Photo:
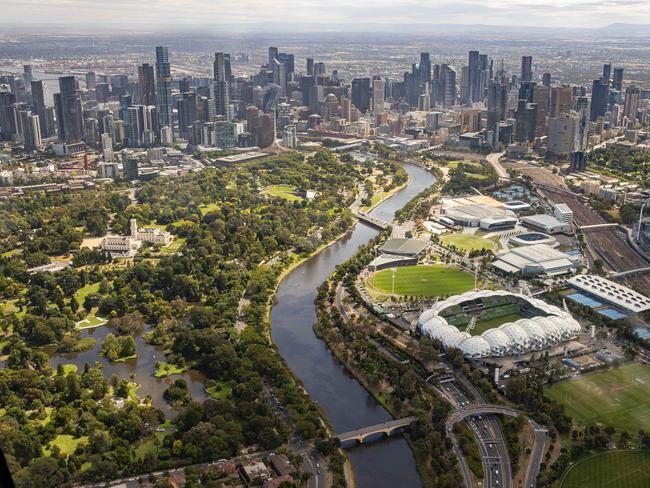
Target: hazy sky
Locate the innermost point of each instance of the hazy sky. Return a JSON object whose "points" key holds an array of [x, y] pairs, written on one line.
{"points": [[329, 13]]}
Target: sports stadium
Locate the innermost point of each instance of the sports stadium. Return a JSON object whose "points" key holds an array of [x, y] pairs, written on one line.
{"points": [[486, 323]]}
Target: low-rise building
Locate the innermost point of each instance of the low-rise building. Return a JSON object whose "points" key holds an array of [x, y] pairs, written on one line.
{"points": [[534, 260], [546, 223], [563, 213]]}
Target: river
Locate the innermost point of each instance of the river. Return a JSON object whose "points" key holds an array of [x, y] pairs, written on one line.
{"points": [[346, 403]]}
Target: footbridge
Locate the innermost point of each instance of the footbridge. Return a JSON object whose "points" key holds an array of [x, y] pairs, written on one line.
{"points": [[598, 226], [628, 272], [373, 221], [387, 428]]}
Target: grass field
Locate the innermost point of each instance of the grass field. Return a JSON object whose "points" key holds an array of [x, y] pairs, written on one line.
{"points": [[467, 243], [283, 191], [619, 397], [613, 469], [423, 281], [454, 164], [66, 443], [483, 325]]}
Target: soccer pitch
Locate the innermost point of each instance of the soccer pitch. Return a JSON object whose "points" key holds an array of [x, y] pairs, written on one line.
{"points": [[620, 469], [435, 280], [619, 397]]}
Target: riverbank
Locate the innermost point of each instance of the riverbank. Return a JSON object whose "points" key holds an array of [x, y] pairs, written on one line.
{"points": [[345, 402]]}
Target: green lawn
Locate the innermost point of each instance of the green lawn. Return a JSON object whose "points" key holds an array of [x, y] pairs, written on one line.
{"points": [[91, 320], [219, 393], [165, 369], [619, 397], [454, 164], [466, 242], [424, 281], [67, 369], [82, 293], [612, 469], [283, 191], [66, 443], [483, 325], [206, 209]]}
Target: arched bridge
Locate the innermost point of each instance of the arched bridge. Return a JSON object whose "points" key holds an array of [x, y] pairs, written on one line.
{"points": [[462, 413], [387, 428]]}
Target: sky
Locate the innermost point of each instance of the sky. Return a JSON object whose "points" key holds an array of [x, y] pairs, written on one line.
{"points": [[330, 14]]}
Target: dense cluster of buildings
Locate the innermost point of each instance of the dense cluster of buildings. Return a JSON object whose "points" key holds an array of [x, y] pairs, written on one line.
{"points": [[478, 104]]}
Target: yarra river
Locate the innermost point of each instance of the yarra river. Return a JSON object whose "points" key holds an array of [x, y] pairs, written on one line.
{"points": [[346, 403]]}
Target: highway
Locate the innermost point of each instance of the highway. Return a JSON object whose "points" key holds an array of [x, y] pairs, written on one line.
{"points": [[536, 457], [489, 440]]}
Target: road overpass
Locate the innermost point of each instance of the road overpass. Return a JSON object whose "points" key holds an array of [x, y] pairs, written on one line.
{"points": [[537, 451], [386, 428]]}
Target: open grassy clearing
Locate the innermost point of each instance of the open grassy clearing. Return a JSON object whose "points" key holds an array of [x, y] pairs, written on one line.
{"points": [[66, 443], [91, 320], [467, 243], [206, 209], [283, 191], [612, 469], [455, 164], [619, 397], [423, 281]]}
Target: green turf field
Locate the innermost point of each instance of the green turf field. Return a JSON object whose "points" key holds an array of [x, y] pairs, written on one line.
{"points": [[613, 469], [483, 325], [466, 242], [423, 281], [619, 397]]}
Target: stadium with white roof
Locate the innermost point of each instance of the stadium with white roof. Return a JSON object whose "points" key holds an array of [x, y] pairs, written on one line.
{"points": [[550, 327]]}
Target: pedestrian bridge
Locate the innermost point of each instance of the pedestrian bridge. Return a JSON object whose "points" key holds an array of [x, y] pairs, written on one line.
{"points": [[373, 221], [629, 272], [387, 428], [598, 226]]}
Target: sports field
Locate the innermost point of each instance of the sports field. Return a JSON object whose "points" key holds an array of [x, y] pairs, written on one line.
{"points": [[483, 325], [613, 469], [619, 397], [423, 281], [467, 243]]}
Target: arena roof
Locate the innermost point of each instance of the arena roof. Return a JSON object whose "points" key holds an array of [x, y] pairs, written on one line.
{"points": [[403, 247], [511, 338], [536, 258], [618, 295]]}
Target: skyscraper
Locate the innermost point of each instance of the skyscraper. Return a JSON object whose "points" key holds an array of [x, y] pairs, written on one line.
{"points": [[31, 130], [473, 78], [361, 94], [310, 66], [497, 104], [69, 111], [164, 81], [425, 68], [38, 106], [617, 83], [220, 86], [8, 116], [526, 68], [607, 73], [561, 100], [599, 99], [448, 86], [378, 89], [631, 106], [147, 84]]}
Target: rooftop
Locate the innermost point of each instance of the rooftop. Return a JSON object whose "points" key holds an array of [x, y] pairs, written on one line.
{"points": [[409, 247], [612, 292]]}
